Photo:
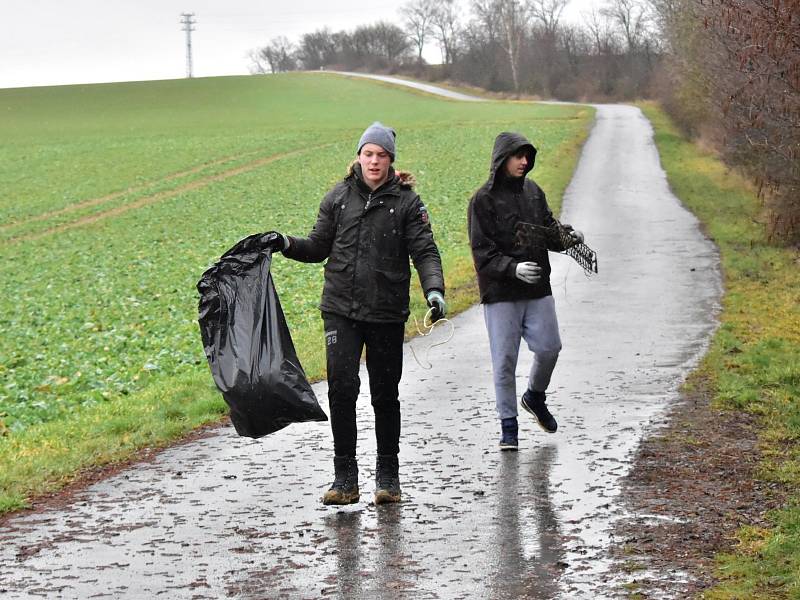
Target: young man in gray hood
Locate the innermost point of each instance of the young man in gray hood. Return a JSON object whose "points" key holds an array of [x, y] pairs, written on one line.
{"points": [[514, 280], [368, 226]]}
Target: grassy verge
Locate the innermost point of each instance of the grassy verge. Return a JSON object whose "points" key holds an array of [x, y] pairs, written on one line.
{"points": [[754, 359], [44, 458]]}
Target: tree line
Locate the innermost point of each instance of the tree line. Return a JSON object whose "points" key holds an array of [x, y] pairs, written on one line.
{"points": [[511, 46]]}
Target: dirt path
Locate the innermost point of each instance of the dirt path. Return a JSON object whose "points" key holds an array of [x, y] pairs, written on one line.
{"points": [[225, 516]]}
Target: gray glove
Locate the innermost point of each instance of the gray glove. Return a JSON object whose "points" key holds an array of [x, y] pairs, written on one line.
{"points": [[437, 303]]}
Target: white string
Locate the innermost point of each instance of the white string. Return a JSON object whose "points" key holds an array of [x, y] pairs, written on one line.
{"points": [[566, 275], [429, 327]]}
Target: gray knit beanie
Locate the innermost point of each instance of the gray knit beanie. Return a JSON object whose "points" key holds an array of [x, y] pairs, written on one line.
{"points": [[379, 134]]}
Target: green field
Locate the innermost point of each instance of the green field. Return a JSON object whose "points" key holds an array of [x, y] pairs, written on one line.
{"points": [[115, 198]]}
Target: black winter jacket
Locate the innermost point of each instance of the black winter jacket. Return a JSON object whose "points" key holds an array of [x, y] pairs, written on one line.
{"points": [[367, 238], [494, 211]]}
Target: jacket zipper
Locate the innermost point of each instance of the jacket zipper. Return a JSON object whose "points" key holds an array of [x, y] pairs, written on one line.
{"points": [[358, 250]]}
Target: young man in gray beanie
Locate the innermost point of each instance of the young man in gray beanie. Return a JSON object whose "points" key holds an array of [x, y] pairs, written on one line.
{"points": [[367, 227]]}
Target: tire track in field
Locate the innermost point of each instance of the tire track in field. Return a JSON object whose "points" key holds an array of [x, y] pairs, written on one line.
{"points": [[160, 196], [113, 195]]}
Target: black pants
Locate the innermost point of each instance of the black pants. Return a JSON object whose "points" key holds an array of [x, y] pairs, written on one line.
{"points": [[345, 339]]}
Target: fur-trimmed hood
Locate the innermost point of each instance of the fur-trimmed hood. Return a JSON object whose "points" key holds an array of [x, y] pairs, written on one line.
{"points": [[405, 179]]}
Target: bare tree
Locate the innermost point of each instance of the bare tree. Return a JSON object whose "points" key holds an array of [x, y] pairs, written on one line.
{"points": [[548, 13], [486, 18], [277, 56], [513, 16], [547, 54], [631, 18], [481, 59], [507, 21], [600, 32], [317, 49], [392, 42], [446, 29], [362, 42], [418, 18], [666, 17], [375, 46], [259, 64], [575, 44]]}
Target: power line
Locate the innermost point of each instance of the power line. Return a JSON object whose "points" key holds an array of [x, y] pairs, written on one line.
{"points": [[188, 21]]}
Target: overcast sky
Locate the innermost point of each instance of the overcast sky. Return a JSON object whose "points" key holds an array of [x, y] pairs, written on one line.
{"points": [[51, 42]]}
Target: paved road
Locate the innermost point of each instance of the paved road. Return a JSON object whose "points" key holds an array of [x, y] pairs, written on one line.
{"points": [[231, 517], [424, 87]]}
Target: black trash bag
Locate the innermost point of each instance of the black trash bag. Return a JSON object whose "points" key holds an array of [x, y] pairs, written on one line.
{"points": [[248, 345]]}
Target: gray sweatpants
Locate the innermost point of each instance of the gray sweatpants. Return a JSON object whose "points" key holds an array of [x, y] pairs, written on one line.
{"points": [[508, 323]]}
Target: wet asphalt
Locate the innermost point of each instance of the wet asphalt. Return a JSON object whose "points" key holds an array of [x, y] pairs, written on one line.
{"points": [[231, 517]]}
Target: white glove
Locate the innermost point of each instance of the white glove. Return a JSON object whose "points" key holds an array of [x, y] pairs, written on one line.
{"points": [[529, 272]]}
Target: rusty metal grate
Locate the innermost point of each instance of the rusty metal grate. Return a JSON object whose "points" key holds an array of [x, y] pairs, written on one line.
{"points": [[539, 237]]}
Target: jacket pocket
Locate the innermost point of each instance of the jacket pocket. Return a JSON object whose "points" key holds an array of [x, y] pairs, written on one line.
{"points": [[338, 280], [336, 266], [392, 290]]}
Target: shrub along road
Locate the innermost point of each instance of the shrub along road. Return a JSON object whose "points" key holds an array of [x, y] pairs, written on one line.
{"points": [[229, 516]]}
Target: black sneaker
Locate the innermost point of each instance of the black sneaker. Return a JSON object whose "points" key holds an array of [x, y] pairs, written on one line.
{"points": [[509, 433], [535, 403]]}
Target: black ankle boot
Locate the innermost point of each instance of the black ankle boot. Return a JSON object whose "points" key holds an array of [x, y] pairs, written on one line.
{"points": [[345, 484], [387, 479]]}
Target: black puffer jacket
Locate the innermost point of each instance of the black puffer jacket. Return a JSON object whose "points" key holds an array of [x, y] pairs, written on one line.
{"points": [[367, 238], [494, 211]]}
